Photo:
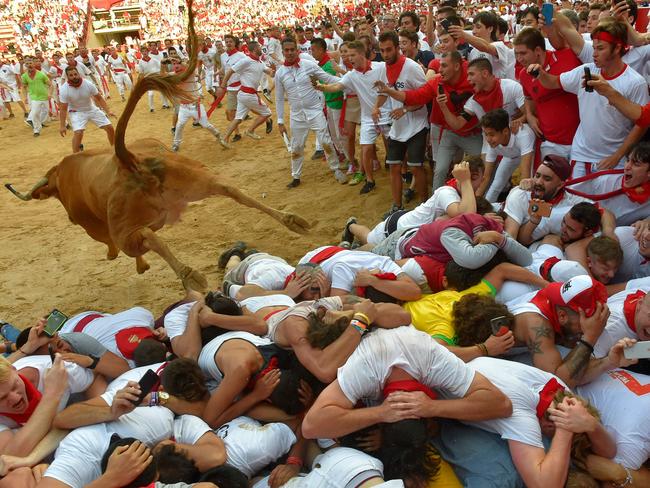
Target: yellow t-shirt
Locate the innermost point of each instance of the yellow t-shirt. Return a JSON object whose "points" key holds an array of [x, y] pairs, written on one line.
{"points": [[446, 477], [432, 313]]}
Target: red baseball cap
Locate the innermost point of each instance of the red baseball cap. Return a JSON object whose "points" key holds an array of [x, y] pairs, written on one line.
{"points": [[580, 292]]}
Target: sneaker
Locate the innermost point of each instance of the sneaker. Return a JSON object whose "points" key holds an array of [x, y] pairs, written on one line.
{"points": [[367, 188], [29, 123], [176, 147], [409, 194], [123, 99], [25, 115], [252, 135], [11, 116], [150, 110], [407, 177], [347, 235], [269, 126], [318, 155], [340, 177], [237, 249], [165, 106], [196, 124], [223, 142], [352, 168], [67, 126], [37, 134], [9, 332], [393, 209], [357, 178], [173, 130], [81, 147], [236, 137], [294, 183], [267, 94], [345, 244]]}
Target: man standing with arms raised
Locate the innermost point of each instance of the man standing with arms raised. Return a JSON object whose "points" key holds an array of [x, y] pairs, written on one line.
{"points": [[306, 105]]}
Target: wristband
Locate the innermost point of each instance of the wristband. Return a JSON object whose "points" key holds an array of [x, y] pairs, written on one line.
{"points": [[95, 359], [359, 326], [483, 348], [153, 400], [294, 460], [587, 345], [362, 317], [628, 478]]}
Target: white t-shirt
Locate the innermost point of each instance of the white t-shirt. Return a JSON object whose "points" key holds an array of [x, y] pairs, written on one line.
{"points": [[228, 61], [79, 99], [250, 72], [636, 58], [364, 374], [363, 85], [599, 120], [503, 64], [623, 400], [617, 326], [150, 67], [117, 64], [410, 78], [343, 267], [269, 274], [274, 51], [251, 446], [521, 384], [513, 98], [427, 212], [79, 379], [516, 207], [176, 320], [634, 265], [8, 76], [305, 47], [520, 144], [625, 210]]}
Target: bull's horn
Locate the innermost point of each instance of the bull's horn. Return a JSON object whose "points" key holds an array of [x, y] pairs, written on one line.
{"points": [[42, 182]]}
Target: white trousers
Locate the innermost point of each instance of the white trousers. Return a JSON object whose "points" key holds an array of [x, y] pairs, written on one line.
{"points": [[188, 111], [340, 141], [38, 114], [502, 174], [122, 81], [299, 132]]}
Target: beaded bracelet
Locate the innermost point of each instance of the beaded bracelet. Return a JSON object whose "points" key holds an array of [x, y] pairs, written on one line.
{"points": [[153, 400], [360, 326]]}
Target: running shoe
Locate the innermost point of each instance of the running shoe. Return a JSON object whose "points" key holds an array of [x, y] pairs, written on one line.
{"points": [[356, 179]]}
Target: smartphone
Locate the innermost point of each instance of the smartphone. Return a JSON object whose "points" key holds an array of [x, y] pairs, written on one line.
{"points": [[640, 350], [370, 18], [588, 88], [146, 384], [543, 209], [547, 12], [445, 24], [165, 54], [50, 349], [534, 73], [55, 321], [500, 325], [441, 89]]}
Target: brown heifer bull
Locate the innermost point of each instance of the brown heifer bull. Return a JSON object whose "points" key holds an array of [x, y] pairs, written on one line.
{"points": [[121, 197]]}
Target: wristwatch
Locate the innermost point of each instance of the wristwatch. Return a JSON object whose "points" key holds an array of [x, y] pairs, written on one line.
{"points": [[163, 398], [95, 359]]}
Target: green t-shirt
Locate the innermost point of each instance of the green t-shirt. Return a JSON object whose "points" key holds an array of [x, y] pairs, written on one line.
{"points": [[332, 100], [37, 87]]}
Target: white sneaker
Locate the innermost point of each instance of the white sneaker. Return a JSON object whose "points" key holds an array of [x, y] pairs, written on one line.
{"points": [[176, 147], [223, 142], [252, 135], [340, 176]]}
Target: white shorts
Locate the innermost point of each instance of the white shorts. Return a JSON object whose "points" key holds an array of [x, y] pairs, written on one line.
{"points": [[79, 120], [548, 147], [12, 95], [248, 102], [377, 234], [369, 132]]}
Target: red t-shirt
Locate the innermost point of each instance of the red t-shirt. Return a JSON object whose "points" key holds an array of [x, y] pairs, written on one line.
{"points": [[557, 110], [434, 64], [644, 120]]}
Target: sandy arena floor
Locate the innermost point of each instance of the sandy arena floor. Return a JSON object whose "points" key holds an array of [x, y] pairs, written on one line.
{"points": [[46, 262]]}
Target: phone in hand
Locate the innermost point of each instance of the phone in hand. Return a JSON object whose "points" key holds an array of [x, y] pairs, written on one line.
{"points": [[165, 55], [445, 24], [441, 89], [543, 209], [534, 73], [146, 384], [547, 12], [500, 325], [370, 18], [640, 350], [55, 321], [588, 88]]}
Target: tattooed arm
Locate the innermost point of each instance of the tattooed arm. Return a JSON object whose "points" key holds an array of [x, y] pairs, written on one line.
{"points": [[541, 343]]}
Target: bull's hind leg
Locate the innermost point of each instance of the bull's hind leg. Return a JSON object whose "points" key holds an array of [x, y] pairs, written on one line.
{"points": [[113, 251], [205, 187], [191, 278]]}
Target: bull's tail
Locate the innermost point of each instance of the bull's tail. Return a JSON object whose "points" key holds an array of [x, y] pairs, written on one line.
{"points": [[169, 86]]}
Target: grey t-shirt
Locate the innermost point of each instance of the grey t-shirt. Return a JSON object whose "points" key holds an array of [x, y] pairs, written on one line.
{"points": [[84, 344]]}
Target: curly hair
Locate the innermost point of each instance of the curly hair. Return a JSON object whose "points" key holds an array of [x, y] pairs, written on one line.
{"points": [[320, 335], [471, 318], [183, 378]]}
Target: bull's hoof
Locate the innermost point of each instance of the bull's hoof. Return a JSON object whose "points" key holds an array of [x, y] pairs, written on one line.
{"points": [[112, 254], [141, 265], [295, 223], [193, 280]]}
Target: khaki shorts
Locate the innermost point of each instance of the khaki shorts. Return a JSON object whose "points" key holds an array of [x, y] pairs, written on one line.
{"points": [[231, 100], [353, 110]]}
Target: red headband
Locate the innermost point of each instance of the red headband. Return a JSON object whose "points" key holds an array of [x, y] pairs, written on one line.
{"points": [[607, 37]]}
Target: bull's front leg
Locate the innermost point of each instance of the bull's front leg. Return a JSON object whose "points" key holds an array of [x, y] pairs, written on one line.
{"points": [[191, 278]]}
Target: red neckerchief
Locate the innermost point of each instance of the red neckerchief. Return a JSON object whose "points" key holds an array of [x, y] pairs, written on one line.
{"points": [[492, 99], [253, 57], [453, 183], [408, 385], [75, 84], [542, 301], [393, 70], [367, 68], [361, 290], [639, 194], [629, 307], [329, 36], [72, 63], [296, 63], [348, 65], [557, 198], [230, 53], [323, 61], [547, 395], [273, 363], [204, 50], [146, 59], [33, 399]]}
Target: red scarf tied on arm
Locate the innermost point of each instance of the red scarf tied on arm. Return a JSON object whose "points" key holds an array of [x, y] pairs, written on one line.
{"points": [[490, 100], [33, 399], [394, 70]]}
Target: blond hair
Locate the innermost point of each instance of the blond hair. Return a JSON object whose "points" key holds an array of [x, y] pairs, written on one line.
{"points": [[5, 369]]}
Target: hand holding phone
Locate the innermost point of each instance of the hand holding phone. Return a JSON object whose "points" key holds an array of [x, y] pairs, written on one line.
{"points": [[547, 12], [588, 88], [146, 384], [54, 322], [500, 325], [539, 208], [441, 89], [445, 24], [640, 350]]}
